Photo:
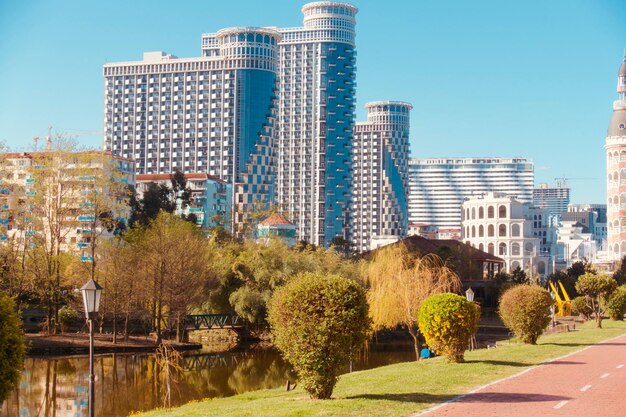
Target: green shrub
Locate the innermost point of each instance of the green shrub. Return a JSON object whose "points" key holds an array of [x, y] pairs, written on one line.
{"points": [[597, 288], [525, 309], [11, 346], [67, 317], [616, 306], [448, 321], [318, 321], [581, 307]]}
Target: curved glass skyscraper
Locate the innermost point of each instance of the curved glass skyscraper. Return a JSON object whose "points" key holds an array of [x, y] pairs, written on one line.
{"points": [[213, 114], [255, 94], [381, 175], [316, 100]]}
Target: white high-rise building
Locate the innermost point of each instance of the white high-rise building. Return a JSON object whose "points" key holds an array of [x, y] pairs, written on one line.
{"points": [[554, 199], [381, 175], [438, 186], [316, 95], [254, 94], [615, 146]]}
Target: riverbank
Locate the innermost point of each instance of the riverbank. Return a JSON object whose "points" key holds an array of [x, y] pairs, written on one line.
{"points": [[78, 344], [404, 388]]}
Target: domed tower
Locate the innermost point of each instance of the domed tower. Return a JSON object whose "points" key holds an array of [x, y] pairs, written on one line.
{"points": [[616, 171]]}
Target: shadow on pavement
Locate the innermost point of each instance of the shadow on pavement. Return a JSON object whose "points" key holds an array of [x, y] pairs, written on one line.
{"points": [[479, 397]]}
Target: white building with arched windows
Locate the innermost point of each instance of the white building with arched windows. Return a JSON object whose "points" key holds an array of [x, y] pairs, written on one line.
{"points": [[615, 146], [516, 232]]}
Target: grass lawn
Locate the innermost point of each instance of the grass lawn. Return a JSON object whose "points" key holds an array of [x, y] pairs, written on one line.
{"points": [[403, 388]]}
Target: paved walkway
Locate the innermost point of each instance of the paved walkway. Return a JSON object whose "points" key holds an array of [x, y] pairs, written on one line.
{"points": [[588, 383]]}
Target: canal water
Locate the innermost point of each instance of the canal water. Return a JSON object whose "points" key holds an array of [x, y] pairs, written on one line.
{"points": [[58, 387]]}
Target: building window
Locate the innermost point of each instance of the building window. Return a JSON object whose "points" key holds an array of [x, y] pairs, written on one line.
{"points": [[502, 230], [490, 230], [502, 212], [490, 249], [502, 249], [481, 213], [481, 231], [515, 249], [515, 230], [490, 212]]}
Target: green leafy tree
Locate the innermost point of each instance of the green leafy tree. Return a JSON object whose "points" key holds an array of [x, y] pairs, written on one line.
{"points": [[318, 322], [597, 288], [568, 281], [12, 346], [525, 309], [254, 271], [620, 274], [617, 303], [518, 276], [174, 267], [448, 321], [161, 197], [581, 307]]}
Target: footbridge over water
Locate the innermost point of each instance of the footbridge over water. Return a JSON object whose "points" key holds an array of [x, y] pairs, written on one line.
{"points": [[211, 321]]}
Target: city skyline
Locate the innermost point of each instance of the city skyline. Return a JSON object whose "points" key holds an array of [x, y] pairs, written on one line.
{"points": [[465, 69]]}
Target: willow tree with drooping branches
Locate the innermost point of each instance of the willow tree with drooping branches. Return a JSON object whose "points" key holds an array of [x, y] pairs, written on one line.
{"points": [[398, 284]]}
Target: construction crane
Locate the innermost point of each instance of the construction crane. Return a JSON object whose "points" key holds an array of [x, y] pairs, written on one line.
{"points": [[561, 182], [48, 138], [76, 134]]}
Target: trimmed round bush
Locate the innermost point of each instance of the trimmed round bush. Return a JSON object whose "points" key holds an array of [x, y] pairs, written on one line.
{"points": [[12, 346], [525, 310], [581, 307], [448, 321], [616, 306], [318, 321], [67, 317]]}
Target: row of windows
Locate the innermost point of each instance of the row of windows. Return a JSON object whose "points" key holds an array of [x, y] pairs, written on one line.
{"points": [[502, 230]]}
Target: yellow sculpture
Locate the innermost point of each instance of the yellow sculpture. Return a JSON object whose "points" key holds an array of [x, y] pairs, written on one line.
{"points": [[564, 304]]}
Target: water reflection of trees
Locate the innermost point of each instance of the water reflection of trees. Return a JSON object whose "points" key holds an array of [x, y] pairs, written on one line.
{"points": [[58, 387]]}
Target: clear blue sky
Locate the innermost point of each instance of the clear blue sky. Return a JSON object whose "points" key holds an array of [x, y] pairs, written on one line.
{"points": [[530, 78]]}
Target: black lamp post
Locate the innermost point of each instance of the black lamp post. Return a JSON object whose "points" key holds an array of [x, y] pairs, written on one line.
{"points": [[91, 299]]}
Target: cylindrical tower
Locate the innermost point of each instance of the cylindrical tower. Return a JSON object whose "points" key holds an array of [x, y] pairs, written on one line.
{"points": [[338, 19], [249, 47], [389, 113], [616, 171]]}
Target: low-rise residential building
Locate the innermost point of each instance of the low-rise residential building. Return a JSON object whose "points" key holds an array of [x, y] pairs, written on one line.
{"points": [[276, 226], [211, 197], [63, 200]]}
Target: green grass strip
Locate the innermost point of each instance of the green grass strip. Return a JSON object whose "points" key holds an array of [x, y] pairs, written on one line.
{"points": [[403, 388]]}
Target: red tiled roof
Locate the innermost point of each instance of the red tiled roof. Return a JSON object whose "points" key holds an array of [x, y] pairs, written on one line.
{"points": [[275, 219]]}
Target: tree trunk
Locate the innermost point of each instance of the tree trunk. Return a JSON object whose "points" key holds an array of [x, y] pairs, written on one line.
{"points": [[114, 325], [126, 326], [414, 332]]}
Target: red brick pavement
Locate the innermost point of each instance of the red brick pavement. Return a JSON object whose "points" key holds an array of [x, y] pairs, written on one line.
{"points": [[588, 383]]}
